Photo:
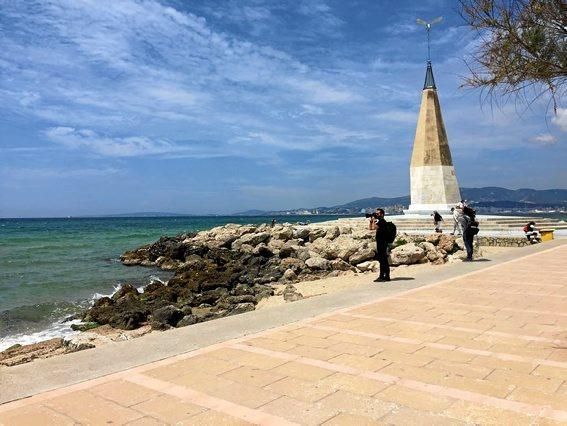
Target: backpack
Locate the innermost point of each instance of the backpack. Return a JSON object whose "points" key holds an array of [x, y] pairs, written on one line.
{"points": [[391, 232], [469, 212]]}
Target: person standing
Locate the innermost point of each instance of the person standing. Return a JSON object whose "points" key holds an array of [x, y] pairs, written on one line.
{"points": [[468, 238], [382, 246], [456, 226]]}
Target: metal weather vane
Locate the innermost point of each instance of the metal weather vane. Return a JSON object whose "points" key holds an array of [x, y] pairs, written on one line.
{"points": [[427, 26]]}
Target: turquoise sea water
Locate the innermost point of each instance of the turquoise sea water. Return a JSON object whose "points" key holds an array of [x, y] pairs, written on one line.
{"points": [[49, 268]]}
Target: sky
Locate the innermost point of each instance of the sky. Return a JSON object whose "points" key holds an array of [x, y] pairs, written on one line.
{"points": [[221, 106]]}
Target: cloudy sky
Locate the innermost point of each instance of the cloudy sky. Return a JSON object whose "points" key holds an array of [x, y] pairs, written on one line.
{"points": [[221, 106]]}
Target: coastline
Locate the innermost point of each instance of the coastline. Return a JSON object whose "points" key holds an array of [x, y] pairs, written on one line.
{"points": [[325, 282]]}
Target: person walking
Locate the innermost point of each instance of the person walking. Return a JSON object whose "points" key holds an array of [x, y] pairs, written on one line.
{"points": [[461, 221], [382, 246], [437, 219], [468, 238]]}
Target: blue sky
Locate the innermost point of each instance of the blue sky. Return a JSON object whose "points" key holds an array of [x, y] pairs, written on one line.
{"points": [[227, 105]]}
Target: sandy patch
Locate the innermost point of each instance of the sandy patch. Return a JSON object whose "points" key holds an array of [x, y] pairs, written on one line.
{"points": [[350, 280]]}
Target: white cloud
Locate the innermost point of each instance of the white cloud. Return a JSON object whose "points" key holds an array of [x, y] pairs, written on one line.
{"points": [[560, 120], [34, 174], [544, 139], [109, 147]]}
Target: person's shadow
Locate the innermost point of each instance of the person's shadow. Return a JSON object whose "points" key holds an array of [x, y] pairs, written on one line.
{"points": [[402, 279]]}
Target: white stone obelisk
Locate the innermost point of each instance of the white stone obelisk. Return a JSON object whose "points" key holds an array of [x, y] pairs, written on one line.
{"points": [[432, 175]]}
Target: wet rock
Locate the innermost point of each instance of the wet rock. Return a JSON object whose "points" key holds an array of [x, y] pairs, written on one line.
{"points": [[124, 290], [84, 326], [25, 353]]}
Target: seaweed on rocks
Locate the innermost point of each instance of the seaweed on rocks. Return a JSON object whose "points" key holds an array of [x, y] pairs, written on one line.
{"points": [[227, 270]]}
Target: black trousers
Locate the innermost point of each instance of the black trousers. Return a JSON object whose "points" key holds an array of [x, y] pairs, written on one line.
{"points": [[382, 257]]}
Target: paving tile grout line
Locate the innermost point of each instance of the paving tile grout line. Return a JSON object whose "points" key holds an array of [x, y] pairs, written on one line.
{"points": [[481, 352], [505, 404], [465, 329], [8, 405], [496, 291], [211, 402], [410, 299]]}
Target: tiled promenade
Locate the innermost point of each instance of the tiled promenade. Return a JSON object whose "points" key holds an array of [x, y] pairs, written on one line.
{"points": [[489, 347]]}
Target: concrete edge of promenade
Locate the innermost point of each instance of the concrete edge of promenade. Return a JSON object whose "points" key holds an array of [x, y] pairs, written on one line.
{"points": [[47, 374]]}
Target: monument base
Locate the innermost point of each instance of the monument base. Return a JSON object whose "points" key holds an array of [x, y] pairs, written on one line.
{"points": [[427, 209]]}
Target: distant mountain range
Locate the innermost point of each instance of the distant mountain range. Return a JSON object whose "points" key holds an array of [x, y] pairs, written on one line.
{"points": [[487, 198]]}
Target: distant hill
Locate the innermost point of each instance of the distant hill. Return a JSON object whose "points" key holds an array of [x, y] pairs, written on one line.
{"points": [[524, 195], [487, 197]]}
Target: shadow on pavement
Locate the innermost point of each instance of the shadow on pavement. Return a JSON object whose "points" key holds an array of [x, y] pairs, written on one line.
{"points": [[403, 279]]}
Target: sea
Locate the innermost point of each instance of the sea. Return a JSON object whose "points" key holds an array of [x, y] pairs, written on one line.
{"points": [[51, 269]]}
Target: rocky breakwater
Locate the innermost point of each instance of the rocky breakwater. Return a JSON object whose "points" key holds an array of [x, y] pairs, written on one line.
{"points": [[227, 270]]}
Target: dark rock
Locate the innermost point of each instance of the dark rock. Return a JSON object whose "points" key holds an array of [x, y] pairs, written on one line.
{"points": [[160, 326], [263, 250], [242, 307], [210, 297], [187, 320], [169, 315], [242, 289], [169, 247], [245, 298], [124, 290], [84, 326], [135, 257], [192, 251], [129, 313], [101, 311]]}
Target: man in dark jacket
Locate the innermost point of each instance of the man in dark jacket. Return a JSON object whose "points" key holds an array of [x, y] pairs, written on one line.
{"points": [[468, 238], [382, 247]]}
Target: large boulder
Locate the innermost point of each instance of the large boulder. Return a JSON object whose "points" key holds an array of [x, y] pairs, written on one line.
{"points": [[332, 233], [295, 264], [346, 246], [170, 247], [285, 233], [446, 242], [252, 239], [372, 266], [408, 254], [324, 248], [165, 317], [362, 255], [341, 265], [316, 233], [129, 313], [318, 263], [301, 233], [290, 275]]}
